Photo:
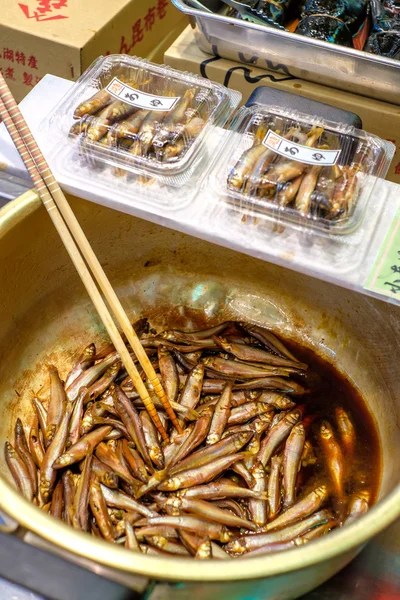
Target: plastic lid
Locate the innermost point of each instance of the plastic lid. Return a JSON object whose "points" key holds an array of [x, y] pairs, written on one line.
{"points": [[147, 118], [300, 169]]}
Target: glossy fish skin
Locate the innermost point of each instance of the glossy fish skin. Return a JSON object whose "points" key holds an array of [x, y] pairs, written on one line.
{"points": [[334, 457], [129, 128], [229, 445], [208, 511], [255, 354], [42, 417], [21, 447], [82, 448], [76, 418], [97, 102], [104, 473], [131, 420], [212, 530], [109, 457], [276, 435], [69, 495], [358, 506], [35, 444], [190, 395], [90, 375], [242, 397], [197, 436], [269, 340], [306, 189], [54, 451], [274, 487], [57, 501], [304, 508], [102, 384], [131, 542], [241, 171], [221, 415], [198, 475], [85, 361], [346, 430], [238, 370], [171, 547], [169, 373], [279, 401], [56, 407], [241, 469], [117, 499], [186, 337], [80, 517], [291, 462], [19, 471], [135, 461], [272, 383], [252, 542], [259, 508], [288, 193], [151, 440], [99, 509], [246, 412]]}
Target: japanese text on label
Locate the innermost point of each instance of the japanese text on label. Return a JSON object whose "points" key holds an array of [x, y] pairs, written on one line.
{"points": [[130, 95], [299, 153]]}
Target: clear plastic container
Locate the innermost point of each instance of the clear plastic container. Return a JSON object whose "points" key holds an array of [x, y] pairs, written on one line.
{"points": [[138, 117], [300, 170]]}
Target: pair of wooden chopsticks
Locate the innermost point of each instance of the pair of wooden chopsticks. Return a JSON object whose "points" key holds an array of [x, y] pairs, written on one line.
{"points": [[79, 250]]}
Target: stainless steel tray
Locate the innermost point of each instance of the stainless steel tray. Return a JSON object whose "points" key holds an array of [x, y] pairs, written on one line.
{"points": [[275, 50]]}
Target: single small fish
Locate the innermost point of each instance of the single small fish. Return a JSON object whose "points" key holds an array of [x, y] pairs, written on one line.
{"points": [[208, 511], [197, 436], [102, 384], [104, 473], [19, 471], [259, 508], [169, 546], [199, 475], [214, 531], [85, 360], [254, 354], [76, 418], [221, 489], [80, 516], [82, 448], [57, 501], [69, 495], [21, 447], [131, 542], [90, 375], [291, 461], [346, 430], [99, 510], [274, 487], [131, 420], [304, 508], [334, 457], [151, 440], [56, 407], [246, 412], [358, 506], [54, 451], [91, 106], [277, 434], [117, 499], [35, 443], [258, 540], [169, 373], [134, 461]]}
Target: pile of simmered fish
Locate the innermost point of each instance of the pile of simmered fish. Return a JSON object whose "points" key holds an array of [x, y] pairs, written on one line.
{"points": [[160, 135], [275, 452]]}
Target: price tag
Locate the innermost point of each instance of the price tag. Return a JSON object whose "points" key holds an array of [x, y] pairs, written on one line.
{"points": [[130, 95], [299, 153], [384, 277]]}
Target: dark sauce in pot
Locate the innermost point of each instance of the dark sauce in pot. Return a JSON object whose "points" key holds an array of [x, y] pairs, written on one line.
{"points": [[330, 389]]}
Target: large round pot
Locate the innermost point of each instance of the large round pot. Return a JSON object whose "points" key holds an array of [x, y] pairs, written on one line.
{"points": [[45, 315]]}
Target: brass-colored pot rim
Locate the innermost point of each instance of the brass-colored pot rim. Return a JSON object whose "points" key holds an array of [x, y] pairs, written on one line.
{"points": [[176, 569]]}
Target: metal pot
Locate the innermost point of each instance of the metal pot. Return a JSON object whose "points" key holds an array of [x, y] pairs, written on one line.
{"points": [[46, 316]]}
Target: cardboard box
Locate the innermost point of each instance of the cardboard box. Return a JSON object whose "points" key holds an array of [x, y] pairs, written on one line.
{"points": [[380, 118], [63, 37]]}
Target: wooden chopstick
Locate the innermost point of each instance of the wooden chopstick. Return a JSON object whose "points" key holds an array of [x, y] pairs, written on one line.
{"points": [[45, 183]]}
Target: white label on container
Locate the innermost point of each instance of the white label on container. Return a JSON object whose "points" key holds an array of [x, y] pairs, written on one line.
{"points": [[299, 153], [130, 95]]}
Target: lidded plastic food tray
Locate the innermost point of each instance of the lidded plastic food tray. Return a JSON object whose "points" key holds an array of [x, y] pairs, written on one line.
{"points": [[299, 169], [149, 119]]}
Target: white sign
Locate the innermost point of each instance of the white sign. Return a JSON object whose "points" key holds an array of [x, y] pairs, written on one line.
{"points": [[299, 153], [130, 95]]}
